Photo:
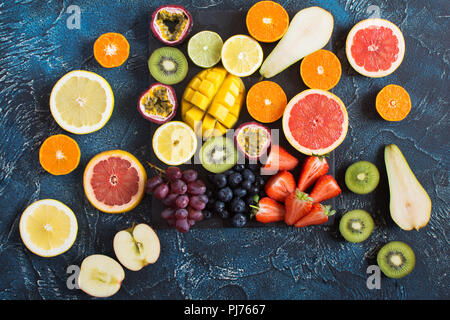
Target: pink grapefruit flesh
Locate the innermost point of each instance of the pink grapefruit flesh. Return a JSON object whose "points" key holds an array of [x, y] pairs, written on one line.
{"points": [[315, 122], [375, 47], [114, 181]]}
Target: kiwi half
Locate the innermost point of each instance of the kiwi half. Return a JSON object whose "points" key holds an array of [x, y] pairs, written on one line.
{"points": [[362, 177], [396, 259], [168, 65], [218, 154], [356, 225]]}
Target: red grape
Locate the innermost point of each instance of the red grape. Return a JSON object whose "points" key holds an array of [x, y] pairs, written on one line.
{"points": [[195, 215], [191, 222], [161, 191], [196, 203], [152, 183], [171, 221], [182, 225], [173, 173], [181, 214], [168, 213], [196, 187], [178, 186], [204, 198], [182, 201], [169, 200], [189, 175]]}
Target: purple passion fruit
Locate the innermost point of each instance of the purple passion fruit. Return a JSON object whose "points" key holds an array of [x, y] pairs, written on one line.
{"points": [[158, 104], [167, 16], [252, 139]]}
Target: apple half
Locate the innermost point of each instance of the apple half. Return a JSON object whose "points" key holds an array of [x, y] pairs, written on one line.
{"points": [[137, 247]]}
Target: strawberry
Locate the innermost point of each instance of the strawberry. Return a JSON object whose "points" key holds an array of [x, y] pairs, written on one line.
{"points": [[312, 169], [280, 185], [317, 215], [297, 205], [325, 188], [279, 159], [268, 210]]}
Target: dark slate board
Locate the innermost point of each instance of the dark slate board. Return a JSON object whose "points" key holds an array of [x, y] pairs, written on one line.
{"points": [[228, 23]]}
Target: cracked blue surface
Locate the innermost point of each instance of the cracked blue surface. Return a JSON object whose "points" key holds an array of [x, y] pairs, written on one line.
{"points": [[36, 49]]}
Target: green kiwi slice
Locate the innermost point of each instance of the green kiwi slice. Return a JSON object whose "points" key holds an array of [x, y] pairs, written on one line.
{"points": [[396, 259], [218, 154], [168, 65], [356, 225], [362, 177]]}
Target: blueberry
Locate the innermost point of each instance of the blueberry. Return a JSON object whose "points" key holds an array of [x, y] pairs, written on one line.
{"points": [[225, 194], [207, 214], [260, 181], [224, 214], [239, 167], [254, 167], [239, 192], [228, 172], [246, 184], [239, 220], [220, 180], [234, 180], [247, 174], [219, 206], [250, 201], [210, 204], [254, 190], [237, 205], [209, 194]]}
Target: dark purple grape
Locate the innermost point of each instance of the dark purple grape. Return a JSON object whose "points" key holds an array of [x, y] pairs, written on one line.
{"points": [[190, 175], [197, 203], [182, 201], [196, 188], [169, 200], [182, 225], [173, 173], [171, 221], [152, 183], [168, 213], [194, 214], [161, 191], [181, 214], [178, 186]]}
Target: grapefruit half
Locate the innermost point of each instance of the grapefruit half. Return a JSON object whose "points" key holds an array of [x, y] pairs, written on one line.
{"points": [[315, 122], [114, 181], [375, 47]]}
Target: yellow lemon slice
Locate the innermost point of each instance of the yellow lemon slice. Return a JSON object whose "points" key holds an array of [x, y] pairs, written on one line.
{"points": [[174, 143], [81, 102], [48, 227], [241, 55]]}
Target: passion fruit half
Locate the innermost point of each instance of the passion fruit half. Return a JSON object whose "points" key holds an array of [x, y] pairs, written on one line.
{"points": [[158, 104], [171, 24], [252, 139]]}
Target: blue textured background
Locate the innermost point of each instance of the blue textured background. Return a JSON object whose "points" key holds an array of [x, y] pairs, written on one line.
{"points": [[36, 49]]}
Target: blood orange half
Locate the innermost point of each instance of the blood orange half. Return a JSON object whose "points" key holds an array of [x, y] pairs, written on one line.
{"points": [[114, 181], [375, 47], [315, 122]]}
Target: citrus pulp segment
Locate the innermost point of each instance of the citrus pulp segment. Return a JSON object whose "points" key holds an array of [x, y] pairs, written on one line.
{"points": [[315, 122], [59, 154], [393, 103], [205, 48], [375, 47], [321, 70], [114, 181], [81, 102], [48, 227], [241, 55], [174, 143], [267, 21], [266, 101], [111, 50]]}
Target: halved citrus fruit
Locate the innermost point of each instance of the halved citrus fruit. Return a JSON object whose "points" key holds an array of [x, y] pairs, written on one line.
{"points": [[114, 181], [321, 70], [241, 55], [59, 154], [174, 143], [81, 102], [111, 50], [266, 101], [375, 47], [393, 103], [48, 227], [315, 122], [267, 21]]}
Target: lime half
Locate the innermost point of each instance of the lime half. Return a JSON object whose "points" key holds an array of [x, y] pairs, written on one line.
{"points": [[205, 48]]}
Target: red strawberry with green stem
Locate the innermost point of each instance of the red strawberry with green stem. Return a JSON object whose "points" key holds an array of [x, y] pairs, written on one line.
{"points": [[298, 204], [268, 210], [317, 215], [280, 185], [312, 169], [325, 188], [279, 159]]}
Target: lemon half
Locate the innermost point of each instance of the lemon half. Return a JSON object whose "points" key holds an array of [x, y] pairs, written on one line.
{"points": [[241, 55]]}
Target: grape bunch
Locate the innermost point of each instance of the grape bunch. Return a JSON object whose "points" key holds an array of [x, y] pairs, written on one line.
{"points": [[182, 194]]}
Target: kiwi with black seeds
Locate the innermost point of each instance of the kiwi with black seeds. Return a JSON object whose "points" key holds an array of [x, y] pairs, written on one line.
{"points": [[356, 225], [362, 177], [218, 154], [168, 65], [396, 259]]}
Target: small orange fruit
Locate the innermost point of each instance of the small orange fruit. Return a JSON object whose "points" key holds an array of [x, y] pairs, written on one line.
{"points": [[266, 101], [267, 21], [393, 103], [111, 50], [59, 154], [321, 70]]}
